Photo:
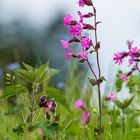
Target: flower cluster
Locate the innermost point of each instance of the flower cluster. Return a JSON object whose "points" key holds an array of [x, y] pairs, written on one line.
{"points": [[49, 106], [79, 105], [76, 29], [133, 55]]}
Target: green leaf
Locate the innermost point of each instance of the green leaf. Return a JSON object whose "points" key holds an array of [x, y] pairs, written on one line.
{"points": [[27, 75], [124, 104], [93, 82], [15, 109], [13, 90], [52, 72], [18, 129], [96, 82], [41, 73], [119, 81], [134, 84], [28, 67], [49, 129], [58, 97]]}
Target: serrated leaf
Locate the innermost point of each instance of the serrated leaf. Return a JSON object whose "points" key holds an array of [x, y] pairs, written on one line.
{"points": [[41, 73], [58, 97], [52, 72], [13, 90], [28, 67], [27, 75]]}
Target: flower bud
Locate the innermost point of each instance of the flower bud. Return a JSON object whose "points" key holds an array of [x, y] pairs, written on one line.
{"points": [[88, 2], [85, 117], [79, 104]]}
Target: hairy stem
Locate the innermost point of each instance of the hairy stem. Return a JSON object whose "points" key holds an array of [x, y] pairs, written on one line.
{"points": [[99, 75]]}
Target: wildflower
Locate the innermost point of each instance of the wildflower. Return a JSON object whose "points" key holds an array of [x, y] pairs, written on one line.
{"points": [[85, 117], [81, 3], [123, 77], [83, 55], [85, 42], [68, 55], [118, 58], [76, 29], [79, 104], [134, 52], [65, 44], [67, 19], [94, 110], [112, 97]]}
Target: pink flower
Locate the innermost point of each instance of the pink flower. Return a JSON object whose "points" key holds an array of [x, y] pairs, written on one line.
{"points": [[68, 55], [85, 117], [79, 104], [112, 97], [81, 3], [134, 51], [76, 29], [65, 44], [83, 55], [50, 104], [118, 58], [67, 19], [85, 42], [123, 77]]}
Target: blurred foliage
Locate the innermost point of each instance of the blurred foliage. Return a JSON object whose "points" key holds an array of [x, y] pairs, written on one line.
{"points": [[69, 126], [134, 84]]}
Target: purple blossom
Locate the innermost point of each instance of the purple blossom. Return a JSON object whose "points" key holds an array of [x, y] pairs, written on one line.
{"points": [[133, 51], [85, 117], [79, 104], [123, 77], [76, 30], [67, 19], [65, 44], [112, 97], [118, 58], [83, 55], [85, 42]]}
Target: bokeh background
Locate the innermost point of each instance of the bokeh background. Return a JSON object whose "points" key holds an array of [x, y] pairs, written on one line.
{"points": [[30, 31]]}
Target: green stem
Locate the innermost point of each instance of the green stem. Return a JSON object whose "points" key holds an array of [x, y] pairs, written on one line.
{"points": [[123, 121]]}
